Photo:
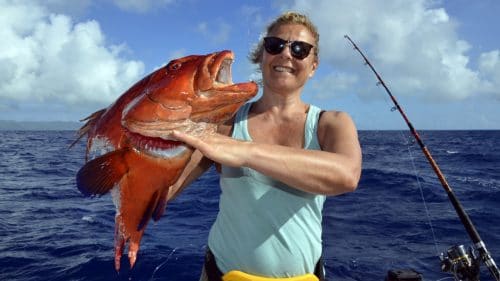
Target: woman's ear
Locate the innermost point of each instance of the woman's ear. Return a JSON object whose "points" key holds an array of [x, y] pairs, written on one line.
{"points": [[313, 69]]}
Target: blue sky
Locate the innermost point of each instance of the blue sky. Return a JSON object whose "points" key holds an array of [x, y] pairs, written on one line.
{"points": [[62, 60]]}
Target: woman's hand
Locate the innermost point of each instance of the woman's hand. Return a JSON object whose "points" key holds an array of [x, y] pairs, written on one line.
{"points": [[219, 148]]}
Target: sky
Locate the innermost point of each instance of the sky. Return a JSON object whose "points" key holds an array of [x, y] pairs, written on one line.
{"points": [[62, 60]]}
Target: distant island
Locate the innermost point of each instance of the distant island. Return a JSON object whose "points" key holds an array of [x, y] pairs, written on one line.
{"points": [[9, 125]]}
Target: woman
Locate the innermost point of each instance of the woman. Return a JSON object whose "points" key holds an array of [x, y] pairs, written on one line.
{"points": [[280, 158]]}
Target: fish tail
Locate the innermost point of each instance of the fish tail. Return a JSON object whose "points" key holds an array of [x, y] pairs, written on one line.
{"points": [[119, 244], [133, 248]]}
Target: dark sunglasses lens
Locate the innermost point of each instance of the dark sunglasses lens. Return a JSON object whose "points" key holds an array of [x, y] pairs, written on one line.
{"points": [[300, 50], [274, 45]]}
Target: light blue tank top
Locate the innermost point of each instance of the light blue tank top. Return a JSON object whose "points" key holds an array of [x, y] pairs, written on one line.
{"points": [[265, 227]]}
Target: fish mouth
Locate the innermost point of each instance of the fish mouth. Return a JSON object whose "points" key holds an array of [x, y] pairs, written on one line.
{"points": [[223, 76], [158, 147], [218, 96], [219, 68]]}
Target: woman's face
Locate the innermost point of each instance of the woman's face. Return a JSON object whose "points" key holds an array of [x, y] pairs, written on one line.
{"points": [[282, 72]]}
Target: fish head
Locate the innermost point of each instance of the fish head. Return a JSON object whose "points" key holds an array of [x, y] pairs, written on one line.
{"points": [[193, 94]]}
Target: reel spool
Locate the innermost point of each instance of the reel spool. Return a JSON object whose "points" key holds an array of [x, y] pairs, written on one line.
{"points": [[464, 265]]}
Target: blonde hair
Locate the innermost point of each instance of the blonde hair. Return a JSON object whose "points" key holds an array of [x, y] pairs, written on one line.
{"points": [[286, 18]]}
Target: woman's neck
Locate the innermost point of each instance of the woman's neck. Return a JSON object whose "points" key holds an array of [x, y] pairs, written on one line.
{"points": [[278, 104]]}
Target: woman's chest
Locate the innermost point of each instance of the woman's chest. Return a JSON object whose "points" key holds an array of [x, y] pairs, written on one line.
{"points": [[283, 132]]}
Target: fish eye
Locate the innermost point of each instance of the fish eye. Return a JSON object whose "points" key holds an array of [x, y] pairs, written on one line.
{"points": [[174, 66]]}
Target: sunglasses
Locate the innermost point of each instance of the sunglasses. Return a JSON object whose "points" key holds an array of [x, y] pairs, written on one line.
{"points": [[299, 49]]}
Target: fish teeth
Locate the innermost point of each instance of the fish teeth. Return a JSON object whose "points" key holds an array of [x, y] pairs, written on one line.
{"points": [[166, 153], [156, 147], [224, 73]]}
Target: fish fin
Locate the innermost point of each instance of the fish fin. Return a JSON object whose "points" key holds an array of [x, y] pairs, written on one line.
{"points": [[101, 174], [162, 204], [153, 202], [84, 130]]}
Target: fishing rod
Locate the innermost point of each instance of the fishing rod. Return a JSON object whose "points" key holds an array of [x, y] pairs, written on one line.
{"points": [[457, 256]]}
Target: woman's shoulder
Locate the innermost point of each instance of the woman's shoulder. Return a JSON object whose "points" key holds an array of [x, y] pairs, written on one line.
{"points": [[334, 118], [334, 123]]}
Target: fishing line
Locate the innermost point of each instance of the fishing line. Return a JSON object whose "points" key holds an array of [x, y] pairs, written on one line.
{"points": [[409, 142], [429, 219], [163, 263]]}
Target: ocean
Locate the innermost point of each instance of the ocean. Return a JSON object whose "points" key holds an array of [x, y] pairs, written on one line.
{"points": [[399, 217]]}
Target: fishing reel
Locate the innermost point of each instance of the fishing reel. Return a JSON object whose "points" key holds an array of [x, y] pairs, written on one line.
{"points": [[464, 265]]}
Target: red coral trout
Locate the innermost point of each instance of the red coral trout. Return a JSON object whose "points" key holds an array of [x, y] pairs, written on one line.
{"points": [[138, 160]]}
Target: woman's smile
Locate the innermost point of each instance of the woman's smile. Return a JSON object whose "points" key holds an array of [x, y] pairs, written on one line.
{"points": [[279, 68]]}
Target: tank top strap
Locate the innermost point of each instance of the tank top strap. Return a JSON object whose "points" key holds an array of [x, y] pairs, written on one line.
{"points": [[240, 128], [311, 128]]}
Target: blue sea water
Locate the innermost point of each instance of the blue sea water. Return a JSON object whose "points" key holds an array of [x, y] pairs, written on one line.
{"points": [[49, 231]]}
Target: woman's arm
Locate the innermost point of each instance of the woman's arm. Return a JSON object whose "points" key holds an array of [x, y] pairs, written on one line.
{"points": [[194, 169], [334, 170]]}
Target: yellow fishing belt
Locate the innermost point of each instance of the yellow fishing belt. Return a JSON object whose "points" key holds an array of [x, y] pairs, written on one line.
{"points": [[236, 275]]}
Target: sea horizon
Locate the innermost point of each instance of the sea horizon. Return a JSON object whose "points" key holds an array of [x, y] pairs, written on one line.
{"points": [[15, 125]]}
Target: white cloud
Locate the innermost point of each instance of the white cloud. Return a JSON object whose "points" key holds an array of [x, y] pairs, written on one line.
{"points": [[489, 65], [47, 57], [414, 44]]}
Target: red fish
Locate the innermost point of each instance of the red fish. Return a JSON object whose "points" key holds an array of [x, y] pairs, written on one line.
{"points": [[138, 161]]}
